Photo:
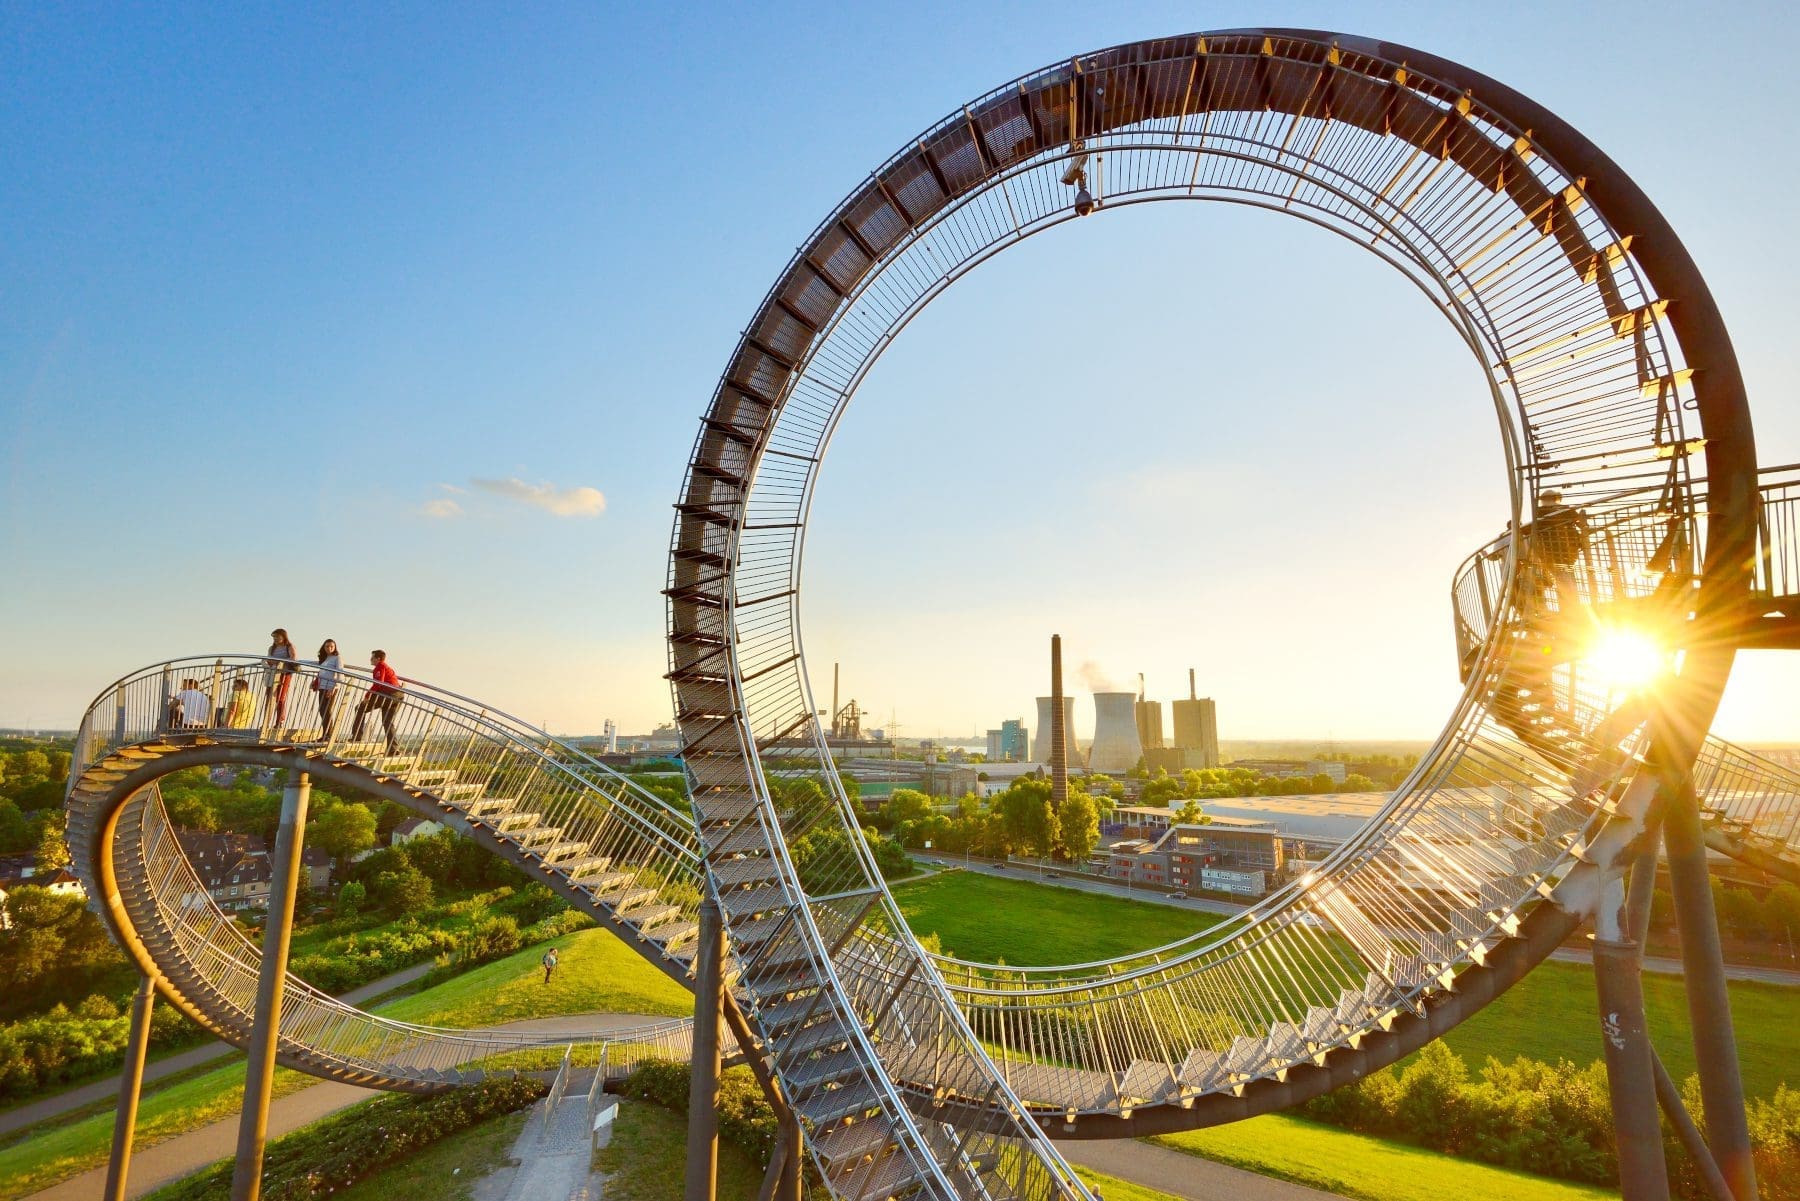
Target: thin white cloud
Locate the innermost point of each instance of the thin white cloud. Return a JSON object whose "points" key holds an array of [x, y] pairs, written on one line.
{"points": [[562, 502], [443, 506]]}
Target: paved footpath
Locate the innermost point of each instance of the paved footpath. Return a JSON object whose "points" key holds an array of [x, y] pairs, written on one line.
{"points": [[185, 1154], [181, 1061], [1181, 1175]]}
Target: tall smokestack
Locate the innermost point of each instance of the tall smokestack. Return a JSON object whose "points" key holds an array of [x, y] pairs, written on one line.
{"points": [[1192, 695], [1059, 733], [834, 699]]}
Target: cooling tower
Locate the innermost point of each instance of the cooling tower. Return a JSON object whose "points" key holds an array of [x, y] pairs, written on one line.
{"points": [[1040, 734], [1116, 747]]}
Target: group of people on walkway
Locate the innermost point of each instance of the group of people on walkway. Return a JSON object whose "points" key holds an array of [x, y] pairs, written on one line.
{"points": [[193, 708]]}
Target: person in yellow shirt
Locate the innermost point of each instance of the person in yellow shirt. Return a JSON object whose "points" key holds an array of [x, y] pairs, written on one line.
{"points": [[240, 710]]}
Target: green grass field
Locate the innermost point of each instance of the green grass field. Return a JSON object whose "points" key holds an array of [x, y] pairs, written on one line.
{"points": [[1356, 1165], [598, 973], [647, 1158], [1025, 923], [1549, 1015]]}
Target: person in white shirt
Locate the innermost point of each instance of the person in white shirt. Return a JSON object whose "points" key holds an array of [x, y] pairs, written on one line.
{"points": [[325, 684], [196, 706]]}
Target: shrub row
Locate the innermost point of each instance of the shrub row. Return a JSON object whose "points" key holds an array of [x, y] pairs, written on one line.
{"points": [[1552, 1120], [59, 1046], [335, 1153]]}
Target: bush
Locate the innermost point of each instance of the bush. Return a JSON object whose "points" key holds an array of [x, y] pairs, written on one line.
{"points": [[1550, 1119], [745, 1118], [335, 1153]]}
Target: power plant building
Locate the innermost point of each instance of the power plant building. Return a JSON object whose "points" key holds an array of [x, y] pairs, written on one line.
{"points": [[1116, 745], [1197, 728], [1040, 742], [1149, 724]]}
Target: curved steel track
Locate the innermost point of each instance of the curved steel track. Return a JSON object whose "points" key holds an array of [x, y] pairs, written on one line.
{"points": [[1612, 380]]}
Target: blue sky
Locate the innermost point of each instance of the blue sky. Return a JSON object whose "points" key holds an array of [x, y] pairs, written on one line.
{"points": [[277, 286]]}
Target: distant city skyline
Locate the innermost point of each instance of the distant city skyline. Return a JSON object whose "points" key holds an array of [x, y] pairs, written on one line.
{"points": [[401, 338]]}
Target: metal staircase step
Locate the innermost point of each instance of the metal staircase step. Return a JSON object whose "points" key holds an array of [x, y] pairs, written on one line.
{"points": [[731, 873], [834, 1104], [742, 902], [883, 1178], [852, 1141]]}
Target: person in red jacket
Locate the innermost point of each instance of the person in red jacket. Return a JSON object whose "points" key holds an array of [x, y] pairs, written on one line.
{"points": [[384, 696]]}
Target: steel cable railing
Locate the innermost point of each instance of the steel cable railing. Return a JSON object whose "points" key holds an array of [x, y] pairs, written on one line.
{"points": [[555, 809]]}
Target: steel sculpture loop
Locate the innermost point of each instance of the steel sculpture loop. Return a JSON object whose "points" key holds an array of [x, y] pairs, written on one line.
{"points": [[1612, 378], [1615, 387]]}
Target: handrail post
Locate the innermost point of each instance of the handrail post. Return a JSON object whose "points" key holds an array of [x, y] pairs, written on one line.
{"points": [[265, 1031], [703, 1087], [131, 1083]]}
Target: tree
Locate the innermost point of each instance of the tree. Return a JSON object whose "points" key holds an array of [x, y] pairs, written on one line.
{"points": [[28, 767], [1079, 825], [435, 856], [341, 831], [1191, 814], [52, 850], [1781, 911], [1026, 815], [191, 811], [15, 830], [406, 891], [906, 805], [1355, 782], [351, 898]]}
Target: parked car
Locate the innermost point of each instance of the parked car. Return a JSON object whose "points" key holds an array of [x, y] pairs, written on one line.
{"points": [[1178, 896]]}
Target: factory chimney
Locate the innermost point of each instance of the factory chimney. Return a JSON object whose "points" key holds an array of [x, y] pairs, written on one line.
{"points": [[834, 700], [1059, 730], [1192, 695], [1116, 744], [1040, 733]]}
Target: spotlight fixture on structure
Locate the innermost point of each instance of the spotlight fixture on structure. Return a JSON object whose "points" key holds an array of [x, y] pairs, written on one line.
{"points": [[1075, 176]]}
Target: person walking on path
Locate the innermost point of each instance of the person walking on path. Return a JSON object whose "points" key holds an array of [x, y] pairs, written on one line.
{"points": [[283, 659], [325, 684], [549, 963], [384, 697]]}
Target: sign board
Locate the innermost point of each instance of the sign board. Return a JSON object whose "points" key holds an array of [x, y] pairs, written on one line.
{"points": [[1219, 879]]}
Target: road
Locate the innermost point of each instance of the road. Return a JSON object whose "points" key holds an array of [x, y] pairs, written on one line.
{"points": [[181, 1061], [1027, 872]]}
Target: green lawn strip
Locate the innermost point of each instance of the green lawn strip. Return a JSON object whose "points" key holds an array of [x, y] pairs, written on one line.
{"points": [[1356, 1165], [447, 1170], [107, 1103], [1552, 1014], [597, 973], [647, 1158], [50, 1156], [986, 919]]}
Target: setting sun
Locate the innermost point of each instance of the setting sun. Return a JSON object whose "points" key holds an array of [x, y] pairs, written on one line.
{"points": [[1626, 659]]}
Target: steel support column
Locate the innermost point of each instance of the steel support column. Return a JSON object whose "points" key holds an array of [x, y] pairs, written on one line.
{"points": [[703, 1086], [259, 1076], [1630, 1074], [1703, 979], [131, 1083]]}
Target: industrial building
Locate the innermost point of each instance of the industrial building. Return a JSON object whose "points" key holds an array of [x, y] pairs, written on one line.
{"points": [[1197, 729], [1116, 746], [1229, 855], [1149, 724], [1008, 744]]}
